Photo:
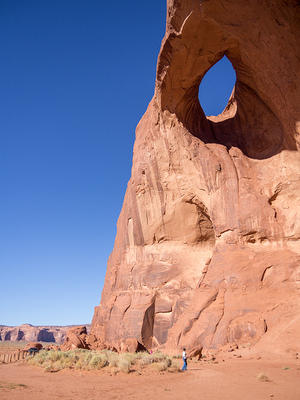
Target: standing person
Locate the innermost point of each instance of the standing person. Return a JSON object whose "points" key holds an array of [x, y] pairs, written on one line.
{"points": [[184, 358]]}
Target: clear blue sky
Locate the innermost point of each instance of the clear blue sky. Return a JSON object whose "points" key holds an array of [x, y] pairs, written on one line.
{"points": [[75, 79]]}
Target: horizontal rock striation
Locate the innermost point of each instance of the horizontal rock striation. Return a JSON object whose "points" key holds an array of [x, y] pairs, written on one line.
{"points": [[207, 245]]}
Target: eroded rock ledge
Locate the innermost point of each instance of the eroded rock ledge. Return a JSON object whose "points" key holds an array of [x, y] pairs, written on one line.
{"points": [[207, 246]]}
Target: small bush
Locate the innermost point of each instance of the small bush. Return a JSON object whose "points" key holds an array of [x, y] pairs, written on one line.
{"points": [[146, 360], [162, 365], [10, 385], [142, 354], [263, 378], [124, 365], [175, 366], [54, 355], [79, 365], [112, 358], [98, 361], [158, 357], [159, 366], [130, 357], [40, 357], [126, 360]]}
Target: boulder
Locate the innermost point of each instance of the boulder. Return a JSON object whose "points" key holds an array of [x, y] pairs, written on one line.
{"points": [[131, 345], [196, 352], [75, 339], [36, 345]]}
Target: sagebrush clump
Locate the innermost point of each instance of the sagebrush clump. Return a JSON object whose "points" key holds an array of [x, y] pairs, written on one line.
{"points": [[54, 360]]}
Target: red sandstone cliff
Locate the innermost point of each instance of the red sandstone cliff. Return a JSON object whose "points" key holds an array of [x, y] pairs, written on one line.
{"points": [[207, 246]]}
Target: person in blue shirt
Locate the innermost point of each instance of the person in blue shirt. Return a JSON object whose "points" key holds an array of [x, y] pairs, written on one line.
{"points": [[184, 358]]}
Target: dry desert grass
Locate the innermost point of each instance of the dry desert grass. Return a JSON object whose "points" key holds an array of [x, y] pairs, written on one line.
{"points": [[11, 385], [53, 360], [10, 345]]}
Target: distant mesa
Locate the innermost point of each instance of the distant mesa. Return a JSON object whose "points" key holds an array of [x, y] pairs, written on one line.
{"points": [[29, 333]]}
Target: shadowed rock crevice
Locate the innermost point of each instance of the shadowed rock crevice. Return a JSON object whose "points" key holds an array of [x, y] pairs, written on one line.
{"points": [[46, 336], [21, 335], [147, 327]]}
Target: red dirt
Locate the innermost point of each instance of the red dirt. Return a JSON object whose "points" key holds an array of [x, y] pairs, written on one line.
{"points": [[234, 379]]}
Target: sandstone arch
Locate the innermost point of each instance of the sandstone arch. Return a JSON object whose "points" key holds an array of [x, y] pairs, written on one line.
{"points": [[212, 203], [249, 122]]}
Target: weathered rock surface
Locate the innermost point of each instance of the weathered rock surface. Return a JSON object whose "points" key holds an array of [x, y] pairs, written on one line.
{"points": [[36, 345], [207, 246], [75, 339], [30, 333]]}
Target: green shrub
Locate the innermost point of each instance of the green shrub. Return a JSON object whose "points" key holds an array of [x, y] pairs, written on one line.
{"points": [[98, 361]]}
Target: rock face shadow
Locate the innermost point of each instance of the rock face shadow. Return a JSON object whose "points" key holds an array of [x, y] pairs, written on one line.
{"points": [[250, 121], [45, 336]]}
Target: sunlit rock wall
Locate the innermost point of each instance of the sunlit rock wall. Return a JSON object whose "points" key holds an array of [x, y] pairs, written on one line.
{"points": [[207, 246]]}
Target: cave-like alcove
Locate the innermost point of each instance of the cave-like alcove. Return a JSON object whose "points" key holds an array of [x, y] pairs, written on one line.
{"points": [[248, 121]]}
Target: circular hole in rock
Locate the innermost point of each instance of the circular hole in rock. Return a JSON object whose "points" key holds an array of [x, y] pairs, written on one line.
{"points": [[216, 87]]}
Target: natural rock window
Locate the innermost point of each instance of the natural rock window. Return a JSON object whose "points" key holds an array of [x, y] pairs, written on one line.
{"points": [[216, 87], [207, 242]]}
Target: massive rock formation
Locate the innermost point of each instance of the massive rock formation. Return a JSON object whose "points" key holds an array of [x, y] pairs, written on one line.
{"points": [[207, 246], [30, 333]]}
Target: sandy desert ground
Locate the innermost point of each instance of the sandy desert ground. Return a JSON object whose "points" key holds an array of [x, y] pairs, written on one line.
{"points": [[232, 379]]}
